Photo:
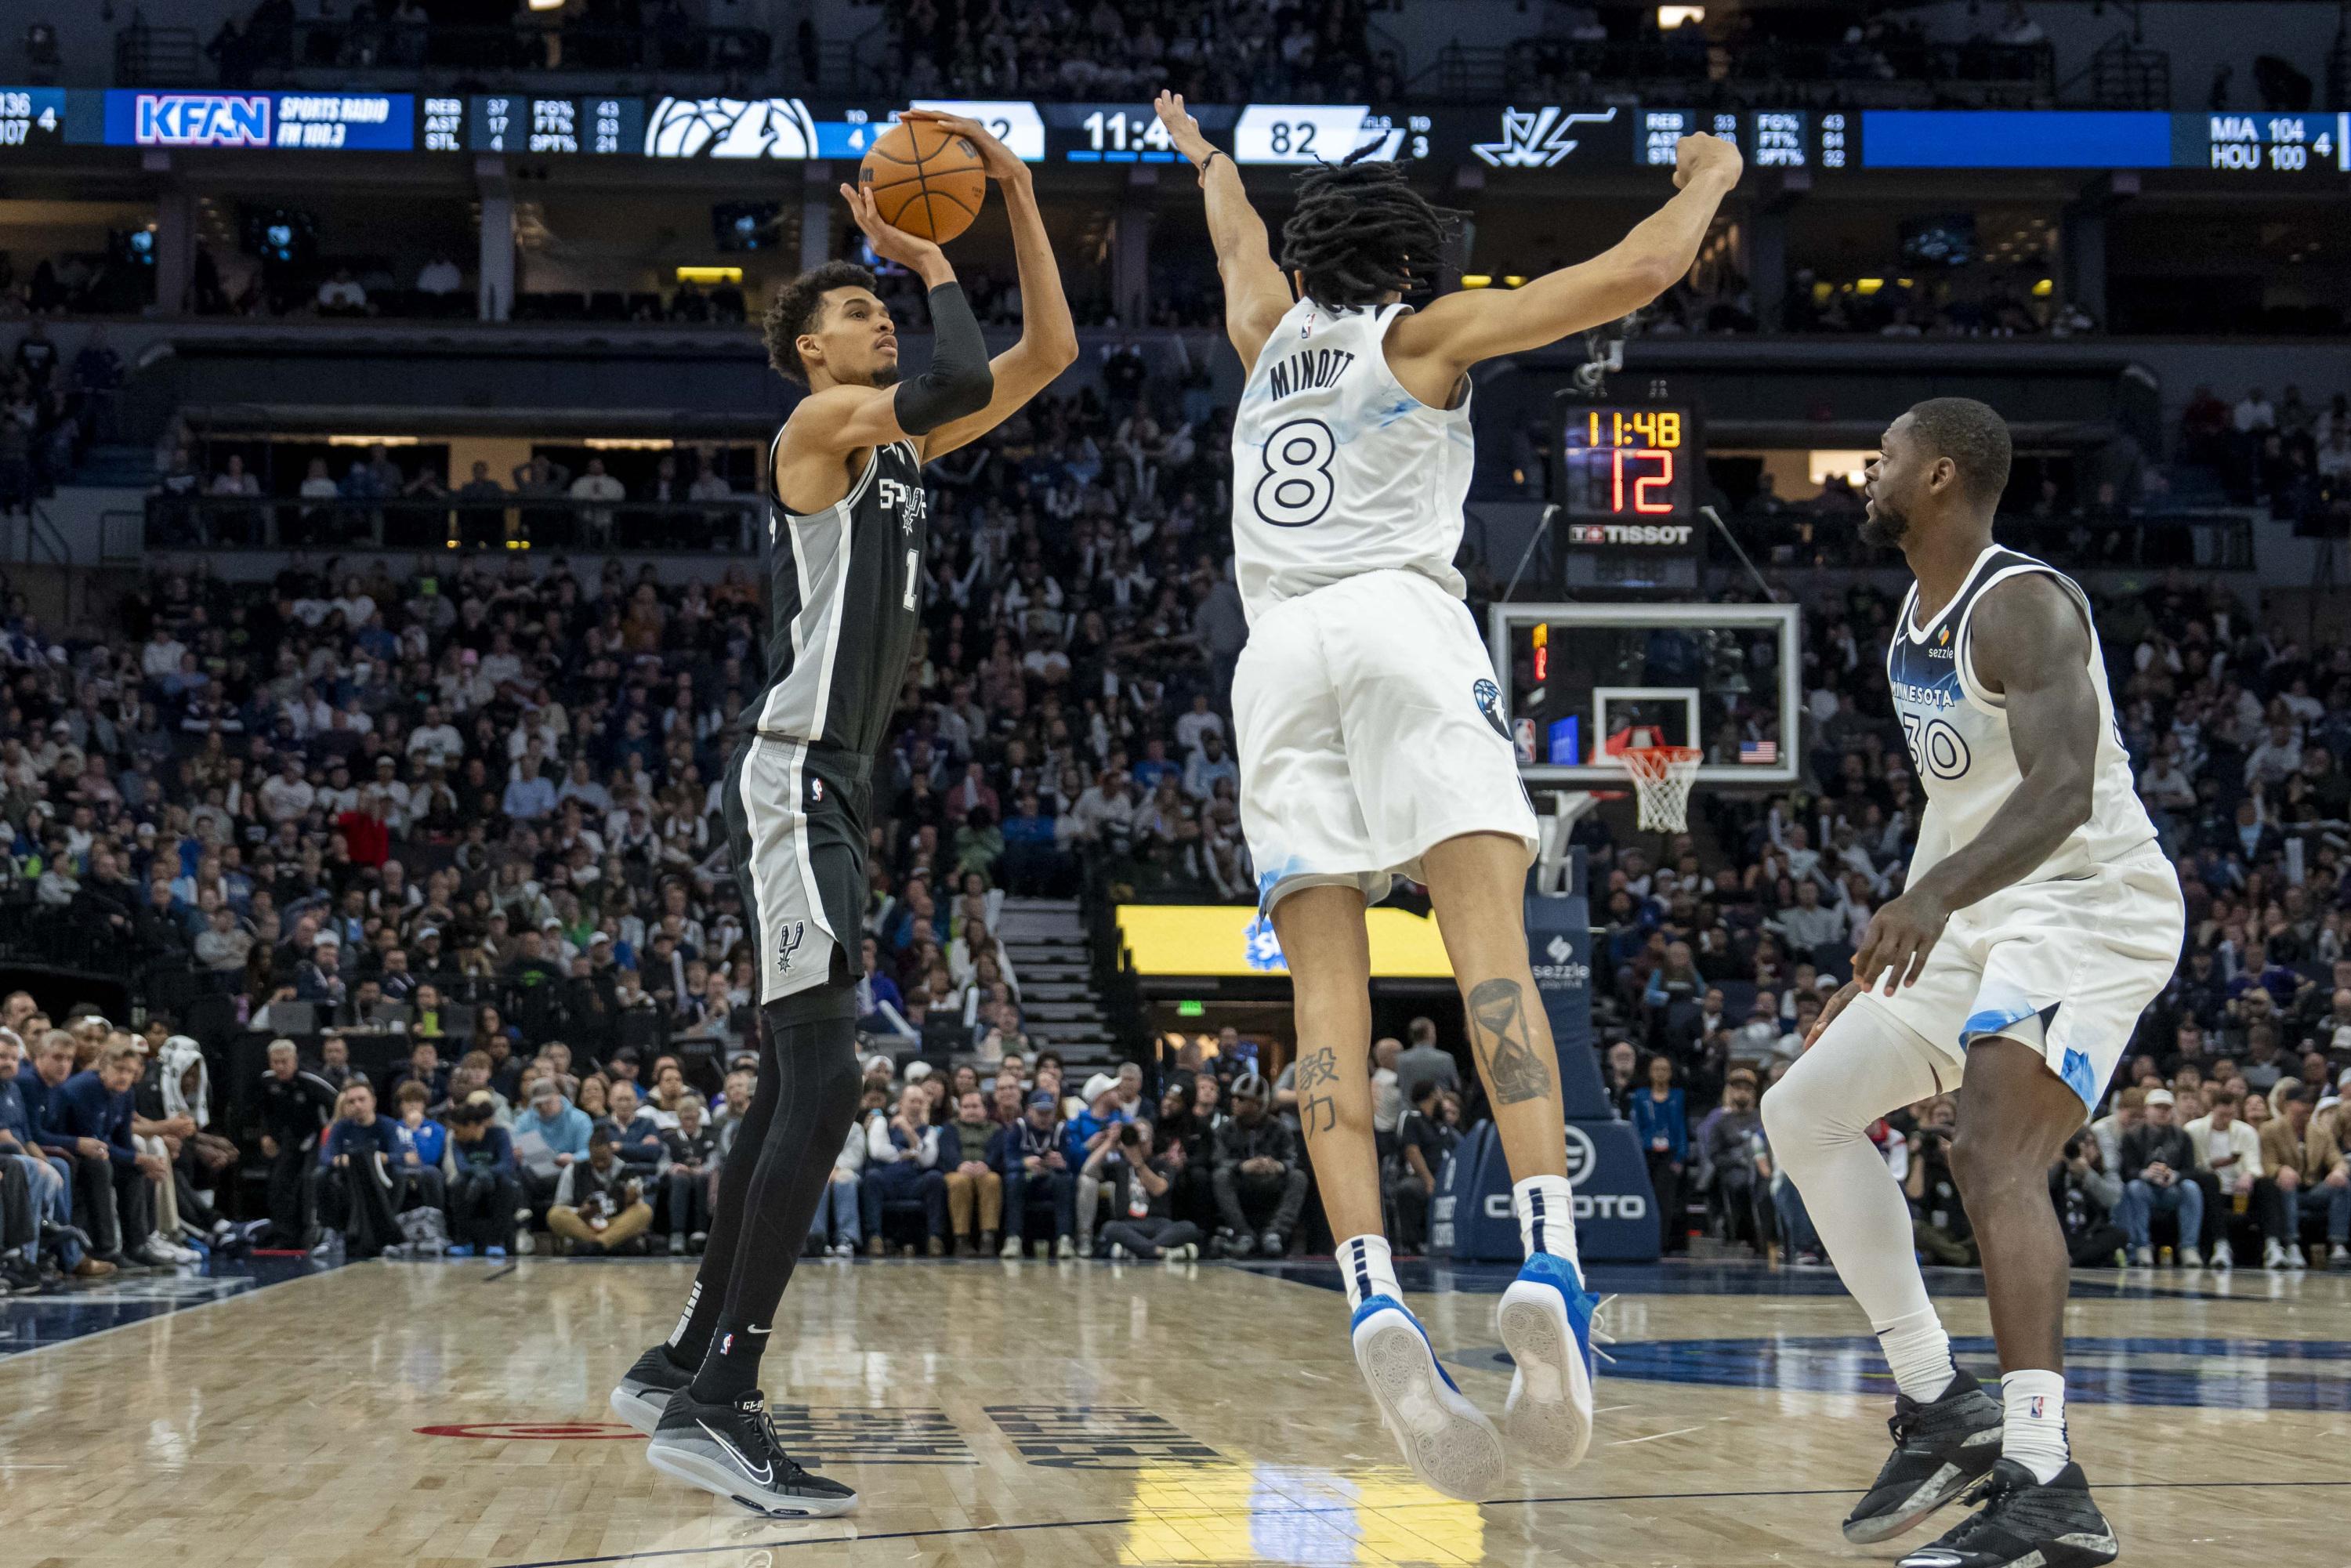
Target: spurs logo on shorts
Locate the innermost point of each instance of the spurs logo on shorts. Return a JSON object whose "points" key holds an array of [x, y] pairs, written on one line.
{"points": [[787, 942]]}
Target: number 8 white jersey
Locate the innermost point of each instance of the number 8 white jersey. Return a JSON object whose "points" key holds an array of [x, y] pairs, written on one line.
{"points": [[1337, 470]]}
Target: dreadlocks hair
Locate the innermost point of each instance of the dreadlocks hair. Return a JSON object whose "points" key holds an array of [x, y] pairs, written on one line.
{"points": [[795, 308], [1359, 232]]}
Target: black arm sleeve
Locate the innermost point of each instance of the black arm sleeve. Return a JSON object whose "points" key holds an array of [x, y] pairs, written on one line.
{"points": [[959, 383]]}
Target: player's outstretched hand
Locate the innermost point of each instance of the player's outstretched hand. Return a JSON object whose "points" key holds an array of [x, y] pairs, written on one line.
{"points": [[1183, 130], [889, 242], [1898, 940], [996, 161], [1705, 154], [1836, 1004]]}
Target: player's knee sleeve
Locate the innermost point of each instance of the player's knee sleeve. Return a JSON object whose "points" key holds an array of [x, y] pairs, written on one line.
{"points": [[1865, 1065]]}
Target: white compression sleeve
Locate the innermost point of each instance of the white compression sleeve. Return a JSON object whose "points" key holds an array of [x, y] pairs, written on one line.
{"points": [[1865, 1065]]}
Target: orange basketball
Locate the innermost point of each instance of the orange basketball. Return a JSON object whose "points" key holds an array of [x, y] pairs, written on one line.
{"points": [[924, 180]]}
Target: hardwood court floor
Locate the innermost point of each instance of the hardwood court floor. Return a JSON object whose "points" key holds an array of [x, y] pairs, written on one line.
{"points": [[1081, 1414]]}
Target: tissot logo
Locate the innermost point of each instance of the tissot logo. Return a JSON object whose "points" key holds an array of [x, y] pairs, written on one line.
{"points": [[1539, 138], [1629, 534]]}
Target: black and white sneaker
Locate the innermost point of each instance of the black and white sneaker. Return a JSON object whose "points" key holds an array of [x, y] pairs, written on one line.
{"points": [[2025, 1522], [645, 1389], [731, 1450], [1941, 1449]]}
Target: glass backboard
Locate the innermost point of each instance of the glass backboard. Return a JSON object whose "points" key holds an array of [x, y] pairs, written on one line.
{"points": [[1583, 681]]}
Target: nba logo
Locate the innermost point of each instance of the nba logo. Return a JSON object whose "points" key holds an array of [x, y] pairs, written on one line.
{"points": [[729, 1343], [2039, 1405], [1523, 740]]}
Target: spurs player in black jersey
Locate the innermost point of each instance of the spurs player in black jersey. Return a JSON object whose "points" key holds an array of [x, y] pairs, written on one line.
{"points": [[847, 533]]}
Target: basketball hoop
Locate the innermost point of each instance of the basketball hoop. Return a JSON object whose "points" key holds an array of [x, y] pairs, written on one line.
{"points": [[1662, 775]]}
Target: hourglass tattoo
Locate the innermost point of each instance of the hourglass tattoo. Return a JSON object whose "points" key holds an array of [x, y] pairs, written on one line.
{"points": [[1514, 1069]]}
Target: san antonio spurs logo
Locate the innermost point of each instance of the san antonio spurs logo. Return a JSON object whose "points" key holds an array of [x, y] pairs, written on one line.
{"points": [[787, 942]]}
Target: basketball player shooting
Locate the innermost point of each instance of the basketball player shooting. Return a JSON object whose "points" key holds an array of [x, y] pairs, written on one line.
{"points": [[1372, 742], [848, 527], [2039, 917]]}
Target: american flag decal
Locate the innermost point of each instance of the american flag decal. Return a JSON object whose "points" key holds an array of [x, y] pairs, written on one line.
{"points": [[1759, 751]]}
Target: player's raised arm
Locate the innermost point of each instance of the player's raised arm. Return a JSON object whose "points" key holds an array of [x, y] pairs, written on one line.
{"points": [[1458, 330], [854, 404], [2029, 642], [1255, 296], [1048, 338]]}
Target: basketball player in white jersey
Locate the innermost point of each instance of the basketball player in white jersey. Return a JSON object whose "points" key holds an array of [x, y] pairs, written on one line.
{"points": [[2038, 918], [1372, 741]]}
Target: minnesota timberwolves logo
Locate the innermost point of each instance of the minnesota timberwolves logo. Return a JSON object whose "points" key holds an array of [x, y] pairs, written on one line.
{"points": [[787, 942], [1489, 703]]}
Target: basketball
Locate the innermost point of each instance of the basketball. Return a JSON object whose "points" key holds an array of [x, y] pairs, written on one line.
{"points": [[924, 180]]}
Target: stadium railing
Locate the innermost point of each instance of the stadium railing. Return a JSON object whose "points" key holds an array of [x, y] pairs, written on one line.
{"points": [[512, 522]]}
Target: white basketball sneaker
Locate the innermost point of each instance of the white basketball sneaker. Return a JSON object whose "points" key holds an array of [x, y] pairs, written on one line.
{"points": [[1447, 1442], [1545, 1321]]}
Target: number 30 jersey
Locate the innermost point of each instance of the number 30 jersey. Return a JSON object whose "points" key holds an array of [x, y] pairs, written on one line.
{"points": [[1337, 470], [1957, 732]]}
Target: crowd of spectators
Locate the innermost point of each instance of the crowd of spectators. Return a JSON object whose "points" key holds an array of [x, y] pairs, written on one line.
{"points": [[469, 807], [1213, 51], [2291, 455]]}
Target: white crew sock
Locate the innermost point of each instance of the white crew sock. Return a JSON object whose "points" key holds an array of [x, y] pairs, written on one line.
{"points": [[2035, 1434], [1919, 1352], [1369, 1270], [1546, 1216]]}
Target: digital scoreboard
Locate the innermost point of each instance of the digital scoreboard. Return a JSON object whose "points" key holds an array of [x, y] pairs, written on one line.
{"points": [[515, 123], [31, 117], [1626, 463], [1626, 494]]}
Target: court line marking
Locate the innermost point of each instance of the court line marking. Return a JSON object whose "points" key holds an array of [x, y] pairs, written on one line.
{"points": [[1349, 1509], [221, 1301], [500, 1274]]}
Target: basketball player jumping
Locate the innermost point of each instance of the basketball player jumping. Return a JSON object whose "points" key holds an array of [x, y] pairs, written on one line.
{"points": [[1372, 741], [2039, 917], [848, 526]]}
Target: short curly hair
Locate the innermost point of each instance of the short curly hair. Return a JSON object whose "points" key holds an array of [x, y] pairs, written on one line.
{"points": [[795, 308]]}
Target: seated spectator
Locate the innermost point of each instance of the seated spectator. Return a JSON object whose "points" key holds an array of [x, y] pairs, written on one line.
{"points": [[549, 1139], [691, 1151], [360, 1183], [2313, 1177], [341, 294], [1029, 1156], [2228, 1168], [2159, 1175], [484, 1185], [635, 1136], [48, 1171], [600, 1206], [1726, 1161], [424, 1143], [901, 1157], [1257, 1169], [1421, 1149], [841, 1210], [1141, 1182], [975, 1188], [1938, 1218]]}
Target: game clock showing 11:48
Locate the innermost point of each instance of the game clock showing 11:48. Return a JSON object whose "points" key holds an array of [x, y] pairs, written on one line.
{"points": [[1624, 463]]}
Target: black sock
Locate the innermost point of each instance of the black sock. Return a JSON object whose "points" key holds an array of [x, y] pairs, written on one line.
{"points": [[815, 1066]]}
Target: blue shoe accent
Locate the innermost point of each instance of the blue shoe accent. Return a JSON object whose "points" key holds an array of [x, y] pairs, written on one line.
{"points": [[493, 1251], [1390, 1304], [1549, 1269], [459, 1251]]}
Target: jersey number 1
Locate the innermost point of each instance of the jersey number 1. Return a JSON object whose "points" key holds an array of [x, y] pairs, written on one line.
{"points": [[1296, 487]]}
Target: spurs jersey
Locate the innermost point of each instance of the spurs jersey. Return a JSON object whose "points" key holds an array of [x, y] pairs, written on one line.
{"points": [[1957, 732], [1337, 470], [844, 601]]}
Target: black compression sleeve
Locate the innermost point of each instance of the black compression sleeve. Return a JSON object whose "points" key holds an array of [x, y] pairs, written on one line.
{"points": [[959, 383]]}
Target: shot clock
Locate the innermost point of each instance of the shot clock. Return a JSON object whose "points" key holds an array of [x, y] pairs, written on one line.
{"points": [[1627, 463]]}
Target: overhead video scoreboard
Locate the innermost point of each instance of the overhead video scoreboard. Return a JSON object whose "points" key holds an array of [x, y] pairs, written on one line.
{"points": [[1509, 139]]}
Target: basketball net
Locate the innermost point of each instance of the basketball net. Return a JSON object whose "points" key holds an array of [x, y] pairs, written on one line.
{"points": [[1662, 775]]}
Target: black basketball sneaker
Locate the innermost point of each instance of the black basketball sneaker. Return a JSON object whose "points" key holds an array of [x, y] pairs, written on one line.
{"points": [[731, 1450], [638, 1399], [2025, 1523], [1940, 1449]]}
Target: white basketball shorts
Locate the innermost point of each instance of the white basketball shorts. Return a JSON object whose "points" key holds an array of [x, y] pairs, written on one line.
{"points": [[2065, 966], [1371, 729]]}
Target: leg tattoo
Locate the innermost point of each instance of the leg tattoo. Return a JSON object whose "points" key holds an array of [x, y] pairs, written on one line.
{"points": [[1317, 1071], [1499, 1030]]}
